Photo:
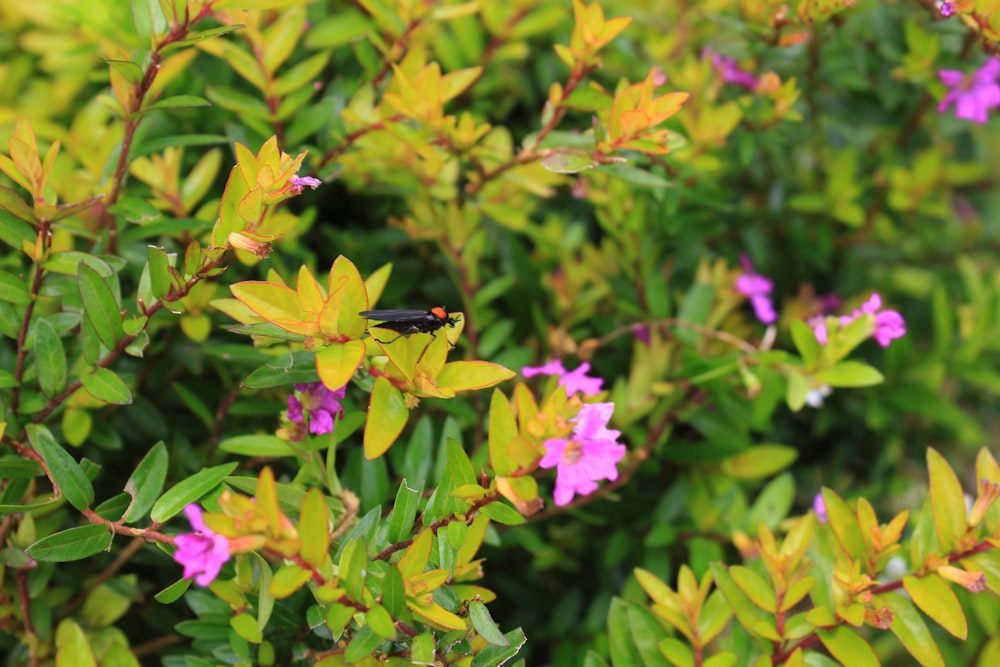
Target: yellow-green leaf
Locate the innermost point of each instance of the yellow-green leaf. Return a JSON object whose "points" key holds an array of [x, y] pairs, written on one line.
{"points": [[287, 580], [336, 364], [275, 303], [387, 415], [760, 461], [503, 429], [755, 586], [848, 648], [466, 375], [936, 599], [947, 500], [314, 528], [245, 626], [909, 627], [72, 647]]}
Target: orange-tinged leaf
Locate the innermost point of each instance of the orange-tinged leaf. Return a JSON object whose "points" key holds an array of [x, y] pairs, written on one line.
{"points": [[667, 105], [658, 591], [314, 528], [429, 581], [934, 597], [947, 501], [246, 163], [909, 627], [466, 375], [417, 555], [266, 494], [848, 648], [336, 364], [796, 592], [387, 415], [633, 122], [755, 586], [275, 303]]}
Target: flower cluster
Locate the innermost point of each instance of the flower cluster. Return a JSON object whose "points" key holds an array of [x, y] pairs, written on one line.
{"points": [[573, 381], [730, 71], [591, 454], [202, 552], [889, 324], [322, 406], [757, 288], [973, 95]]}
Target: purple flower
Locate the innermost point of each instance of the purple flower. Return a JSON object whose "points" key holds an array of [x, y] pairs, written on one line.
{"points": [[729, 71], [947, 9], [321, 404], [298, 183], [972, 95], [592, 454], [819, 507], [757, 288], [573, 381], [202, 552]]}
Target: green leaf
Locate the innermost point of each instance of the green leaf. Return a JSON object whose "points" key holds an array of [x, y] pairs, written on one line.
{"points": [[909, 627], [387, 415], [850, 374], [362, 644], [773, 503], [14, 231], [634, 636], [404, 512], [105, 385], [178, 102], [934, 597], [569, 162], [947, 501], [50, 358], [72, 544], [343, 28], [13, 289], [759, 461], [257, 444], [848, 648], [65, 471], [636, 176], [747, 613], [695, 309], [99, 303], [245, 625], [289, 579], [12, 205], [314, 521], [503, 513], [295, 368], [353, 568], [379, 620], [174, 591], [135, 210], [805, 342], [756, 587], [485, 625], [146, 482], [494, 656], [158, 265], [384, 15], [188, 491], [72, 646]]}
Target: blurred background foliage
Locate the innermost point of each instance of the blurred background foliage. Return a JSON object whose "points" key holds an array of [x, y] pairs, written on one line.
{"points": [[836, 176]]}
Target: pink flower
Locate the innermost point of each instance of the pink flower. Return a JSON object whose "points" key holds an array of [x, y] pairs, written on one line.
{"points": [[298, 183], [202, 552], [321, 404], [889, 324], [757, 288], [592, 454], [947, 9], [573, 381], [972, 95], [729, 71]]}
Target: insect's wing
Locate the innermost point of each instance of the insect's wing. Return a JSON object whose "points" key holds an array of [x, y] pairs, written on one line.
{"points": [[394, 315]]}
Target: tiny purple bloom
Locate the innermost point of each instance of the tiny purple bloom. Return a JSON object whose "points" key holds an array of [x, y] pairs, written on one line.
{"points": [[592, 454], [819, 507], [757, 288], [577, 381], [889, 324], [947, 9], [321, 404], [730, 71], [642, 335], [972, 95], [298, 183], [202, 552]]}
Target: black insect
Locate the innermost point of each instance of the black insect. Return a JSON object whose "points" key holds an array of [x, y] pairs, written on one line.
{"points": [[406, 322]]}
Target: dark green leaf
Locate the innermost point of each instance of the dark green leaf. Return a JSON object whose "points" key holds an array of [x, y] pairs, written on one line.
{"points": [[135, 210], [188, 491], [105, 385], [72, 544], [13, 289], [50, 359], [145, 484], [295, 368], [485, 625], [178, 102], [404, 511], [494, 656], [63, 468], [99, 303], [14, 231]]}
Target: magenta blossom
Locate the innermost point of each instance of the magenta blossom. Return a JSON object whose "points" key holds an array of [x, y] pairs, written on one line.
{"points": [[757, 288], [819, 507], [299, 183], [592, 454], [889, 324], [972, 95], [947, 9], [729, 70], [321, 404], [203, 552], [573, 381]]}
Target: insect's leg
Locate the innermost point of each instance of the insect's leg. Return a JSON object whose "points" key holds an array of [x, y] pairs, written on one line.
{"points": [[386, 342]]}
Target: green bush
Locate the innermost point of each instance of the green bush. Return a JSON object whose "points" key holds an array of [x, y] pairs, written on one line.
{"points": [[477, 333]]}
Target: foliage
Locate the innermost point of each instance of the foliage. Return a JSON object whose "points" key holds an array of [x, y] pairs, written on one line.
{"points": [[202, 200]]}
